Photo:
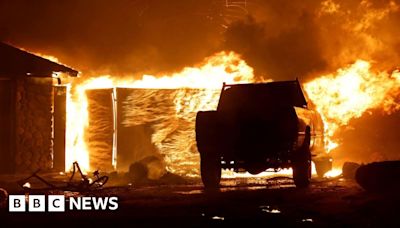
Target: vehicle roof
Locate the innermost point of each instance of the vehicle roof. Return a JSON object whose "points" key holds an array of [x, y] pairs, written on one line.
{"points": [[285, 92]]}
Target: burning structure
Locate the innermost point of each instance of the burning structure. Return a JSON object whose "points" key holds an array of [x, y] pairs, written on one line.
{"points": [[107, 116], [113, 122], [161, 111], [147, 68], [28, 96], [148, 117]]}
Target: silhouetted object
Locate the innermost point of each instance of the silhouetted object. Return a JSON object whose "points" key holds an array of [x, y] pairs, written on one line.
{"points": [[60, 124], [138, 172], [84, 183], [150, 170], [301, 161], [260, 126], [379, 176], [3, 198], [349, 170], [14, 61], [322, 166]]}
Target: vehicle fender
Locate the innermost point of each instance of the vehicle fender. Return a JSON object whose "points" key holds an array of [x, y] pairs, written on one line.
{"points": [[207, 131]]}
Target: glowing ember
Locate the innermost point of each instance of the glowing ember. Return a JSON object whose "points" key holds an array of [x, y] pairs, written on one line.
{"points": [[351, 92], [270, 209]]}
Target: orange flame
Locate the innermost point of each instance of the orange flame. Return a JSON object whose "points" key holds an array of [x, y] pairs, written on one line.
{"points": [[335, 172], [349, 93], [45, 56], [339, 97], [219, 68], [48, 57]]}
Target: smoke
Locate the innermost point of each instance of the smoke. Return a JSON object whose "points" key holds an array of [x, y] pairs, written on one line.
{"points": [[113, 37], [280, 39], [289, 39], [285, 55]]}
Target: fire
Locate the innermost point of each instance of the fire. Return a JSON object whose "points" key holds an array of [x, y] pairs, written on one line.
{"points": [[48, 57], [77, 120], [335, 172], [339, 97], [268, 173], [45, 56], [206, 79], [351, 92]]}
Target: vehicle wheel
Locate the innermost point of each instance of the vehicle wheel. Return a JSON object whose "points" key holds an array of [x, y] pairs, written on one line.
{"points": [[210, 168], [302, 173], [301, 162], [322, 166], [302, 168]]}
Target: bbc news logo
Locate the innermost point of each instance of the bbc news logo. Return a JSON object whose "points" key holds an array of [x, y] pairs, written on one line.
{"points": [[58, 203]]}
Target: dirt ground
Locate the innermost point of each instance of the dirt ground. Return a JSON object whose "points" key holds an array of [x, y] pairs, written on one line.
{"points": [[241, 201]]}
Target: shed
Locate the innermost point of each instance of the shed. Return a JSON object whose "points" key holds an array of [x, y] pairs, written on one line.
{"points": [[27, 110]]}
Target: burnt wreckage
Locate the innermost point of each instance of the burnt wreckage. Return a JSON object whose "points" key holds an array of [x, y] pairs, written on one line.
{"points": [[261, 126]]}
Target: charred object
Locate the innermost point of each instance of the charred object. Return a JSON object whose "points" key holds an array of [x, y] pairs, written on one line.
{"points": [[151, 171], [349, 170], [84, 184], [261, 126], [379, 176]]}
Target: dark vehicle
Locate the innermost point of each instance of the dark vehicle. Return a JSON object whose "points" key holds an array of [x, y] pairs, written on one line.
{"points": [[261, 126]]}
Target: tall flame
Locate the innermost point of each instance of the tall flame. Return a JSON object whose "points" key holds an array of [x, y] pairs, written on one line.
{"points": [[207, 77], [349, 93], [339, 97]]}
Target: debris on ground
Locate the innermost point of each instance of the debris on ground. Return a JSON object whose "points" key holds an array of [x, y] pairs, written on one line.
{"points": [[349, 170], [137, 172], [78, 183], [150, 170], [379, 176]]}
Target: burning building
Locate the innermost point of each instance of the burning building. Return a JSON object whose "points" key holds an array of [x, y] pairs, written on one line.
{"points": [[108, 123], [113, 122], [126, 116], [27, 113]]}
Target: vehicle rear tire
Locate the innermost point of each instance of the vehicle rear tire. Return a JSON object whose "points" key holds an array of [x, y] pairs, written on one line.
{"points": [[302, 174], [302, 168], [322, 166], [210, 168]]}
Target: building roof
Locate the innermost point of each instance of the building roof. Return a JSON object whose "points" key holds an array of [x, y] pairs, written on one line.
{"points": [[14, 61]]}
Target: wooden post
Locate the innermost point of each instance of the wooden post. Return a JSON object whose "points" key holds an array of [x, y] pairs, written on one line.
{"points": [[60, 111]]}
